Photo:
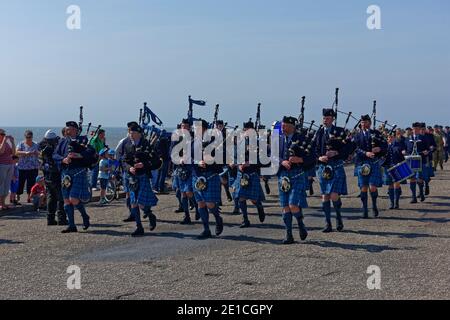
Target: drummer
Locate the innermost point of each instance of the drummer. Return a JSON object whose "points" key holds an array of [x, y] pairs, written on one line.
{"points": [[394, 156], [423, 150]]}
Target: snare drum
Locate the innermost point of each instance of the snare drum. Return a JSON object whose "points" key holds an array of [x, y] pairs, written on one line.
{"points": [[415, 163], [401, 172]]}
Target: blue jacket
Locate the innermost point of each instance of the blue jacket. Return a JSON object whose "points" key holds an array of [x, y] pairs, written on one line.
{"points": [[298, 139], [322, 139], [422, 145], [363, 144], [394, 154]]}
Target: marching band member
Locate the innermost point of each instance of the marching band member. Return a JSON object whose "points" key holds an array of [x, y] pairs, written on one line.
{"points": [[184, 178], [371, 146], [207, 191], [292, 186], [417, 143], [75, 157], [247, 185], [432, 148], [139, 163], [331, 151], [394, 156]]}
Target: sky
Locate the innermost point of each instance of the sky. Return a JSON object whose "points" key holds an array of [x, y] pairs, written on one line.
{"points": [[235, 53]]}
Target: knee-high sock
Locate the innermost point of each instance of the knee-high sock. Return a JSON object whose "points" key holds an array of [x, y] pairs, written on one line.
{"points": [[243, 207], [236, 203], [392, 193], [129, 204], [287, 218], [326, 207], [421, 193], [80, 207], [137, 216], [413, 187], [185, 206], [338, 206], [397, 194], [215, 212], [299, 217], [374, 196], [204, 215], [69, 209], [178, 195], [364, 200]]}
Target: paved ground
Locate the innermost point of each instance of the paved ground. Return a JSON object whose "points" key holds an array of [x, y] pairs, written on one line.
{"points": [[411, 246]]}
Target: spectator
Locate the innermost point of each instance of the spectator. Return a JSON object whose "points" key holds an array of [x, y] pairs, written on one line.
{"points": [[98, 143], [14, 182], [38, 194], [7, 148], [104, 173], [28, 152]]}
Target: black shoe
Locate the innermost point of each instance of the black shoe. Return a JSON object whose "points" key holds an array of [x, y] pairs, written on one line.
{"points": [[204, 235], [179, 210], [427, 190], [328, 229], [70, 230], [366, 215], [87, 224], [376, 213], [422, 198], [413, 201], [219, 227], [289, 239], [152, 219], [129, 219], [245, 224], [392, 206], [236, 211], [186, 220], [397, 206], [261, 214], [52, 222], [139, 232], [339, 225], [303, 233]]}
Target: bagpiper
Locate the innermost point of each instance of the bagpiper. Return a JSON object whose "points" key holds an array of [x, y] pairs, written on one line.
{"points": [[331, 150], [74, 155], [371, 147], [247, 185], [295, 158]]}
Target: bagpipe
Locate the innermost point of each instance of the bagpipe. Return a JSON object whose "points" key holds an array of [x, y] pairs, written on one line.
{"points": [[152, 133], [378, 139]]}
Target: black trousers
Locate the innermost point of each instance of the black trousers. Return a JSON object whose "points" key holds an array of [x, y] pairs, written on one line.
{"points": [[28, 177], [55, 201]]}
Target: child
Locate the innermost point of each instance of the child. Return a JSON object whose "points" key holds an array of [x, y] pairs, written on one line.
{"points": [[38, 194], [14, 183], [104, 171]]}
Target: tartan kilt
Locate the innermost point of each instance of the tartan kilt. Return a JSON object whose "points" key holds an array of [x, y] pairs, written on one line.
{"points": [[425, 174], [80, 188], [185, 185], [336, 185], [213, 192], [297, 195], [254, 190], [175, 182], [374, 179], [146, 196]]}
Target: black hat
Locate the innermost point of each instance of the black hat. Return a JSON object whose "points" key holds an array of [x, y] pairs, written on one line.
{"points": [[205, 124], [437, 126], [423, 125], [72, 124], [290, 120], [136, 129], [430, 128], [366, 118], [219, 122], [132, 124], [326, 112], [408, 129], [185, 121], [416, 125], [249, 125]]}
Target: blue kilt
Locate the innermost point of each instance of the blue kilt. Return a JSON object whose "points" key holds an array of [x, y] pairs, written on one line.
{"points": [[175, 182], [339, 182], [374, 179], [254, 190], [425, 174], [80, 188], [213, 192], [297, 194], [146, 196]]}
